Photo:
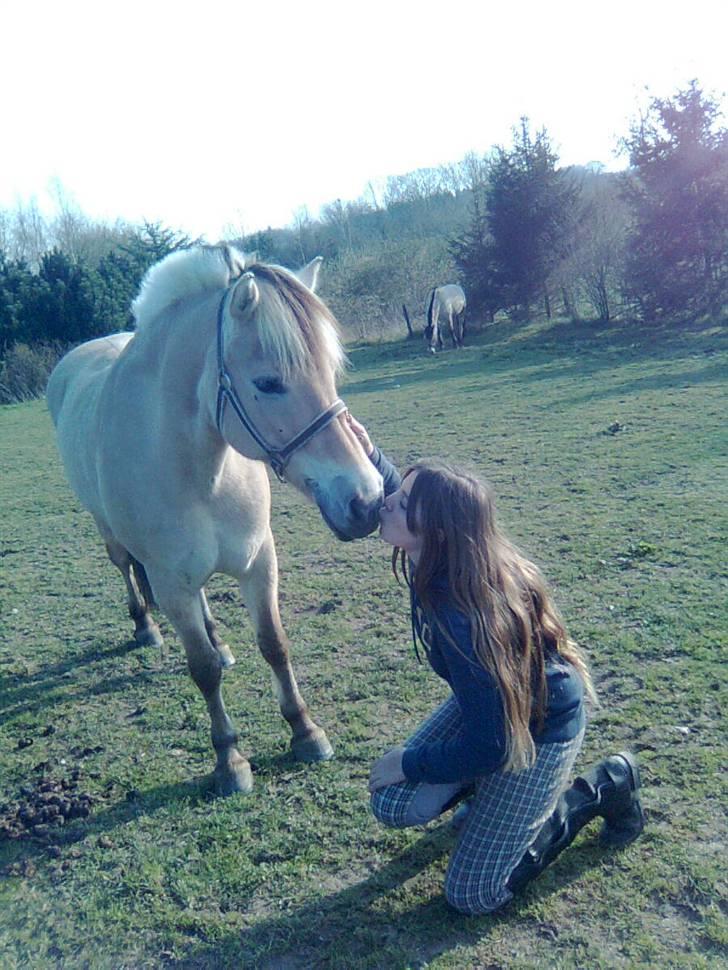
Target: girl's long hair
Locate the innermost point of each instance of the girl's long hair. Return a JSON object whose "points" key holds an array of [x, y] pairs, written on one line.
{"points": [[514, 622]]}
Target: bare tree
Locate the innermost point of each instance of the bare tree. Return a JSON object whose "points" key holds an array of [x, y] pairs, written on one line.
{"points": [[302, 225], [29, 233], [594, 267]]}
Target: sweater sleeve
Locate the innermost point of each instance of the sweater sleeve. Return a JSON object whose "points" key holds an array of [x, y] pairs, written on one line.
{"points": [[390, 475], [479, 746]]}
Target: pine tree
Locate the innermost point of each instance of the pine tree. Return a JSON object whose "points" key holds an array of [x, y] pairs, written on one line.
{"points": [[513, 245], [678, 188], [531, 209]]}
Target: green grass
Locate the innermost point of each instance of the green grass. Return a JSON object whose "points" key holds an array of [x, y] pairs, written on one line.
{"points": [[604, 446]]}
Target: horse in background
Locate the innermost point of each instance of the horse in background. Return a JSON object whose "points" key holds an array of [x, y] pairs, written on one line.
{"points": [[448, 303], [164, 432]]}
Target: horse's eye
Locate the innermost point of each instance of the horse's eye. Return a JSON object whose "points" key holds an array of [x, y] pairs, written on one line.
{"points": [[270, 385]]}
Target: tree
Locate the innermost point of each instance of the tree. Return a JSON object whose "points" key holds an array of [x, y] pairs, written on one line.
{"points": [[16, 282], [592, 271], [531, 211], [474, 256], [678, 189]]}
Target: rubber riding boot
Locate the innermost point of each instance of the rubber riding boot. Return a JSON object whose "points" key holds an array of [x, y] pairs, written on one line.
{"points": [[610, 790]]}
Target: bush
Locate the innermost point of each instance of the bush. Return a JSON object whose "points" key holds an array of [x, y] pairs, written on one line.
{"points": [[366, 288], [24, 371]]}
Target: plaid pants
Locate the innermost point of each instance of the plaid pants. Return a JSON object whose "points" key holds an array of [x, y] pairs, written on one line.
{"points": [[507, 811]]}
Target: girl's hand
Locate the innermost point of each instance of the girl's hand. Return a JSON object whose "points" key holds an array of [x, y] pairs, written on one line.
{"points": [[388, 770], [360, 433]]}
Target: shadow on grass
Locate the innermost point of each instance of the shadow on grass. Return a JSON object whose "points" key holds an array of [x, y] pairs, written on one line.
{"points": [[508, 348], [355, 927], [21, 695]]}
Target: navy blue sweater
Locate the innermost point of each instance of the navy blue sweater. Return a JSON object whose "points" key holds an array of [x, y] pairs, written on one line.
{"points": [[479, 747]]}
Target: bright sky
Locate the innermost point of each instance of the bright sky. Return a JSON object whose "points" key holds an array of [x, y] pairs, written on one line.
{"points": [[218, 115]]}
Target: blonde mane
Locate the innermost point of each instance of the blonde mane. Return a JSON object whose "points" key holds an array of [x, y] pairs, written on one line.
{"points": [[183, 274], [294, 326]]}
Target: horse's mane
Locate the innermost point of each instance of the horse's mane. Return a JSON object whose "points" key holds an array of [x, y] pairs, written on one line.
{"points": [[183, 274], [293, 324]]}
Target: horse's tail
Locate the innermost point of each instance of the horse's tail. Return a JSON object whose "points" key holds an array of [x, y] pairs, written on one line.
{"points": [[430, 306], [143, 583]]}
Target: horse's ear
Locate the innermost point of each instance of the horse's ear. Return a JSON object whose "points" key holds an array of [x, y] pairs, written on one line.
{"points": [[308, 274], [245, 297]]}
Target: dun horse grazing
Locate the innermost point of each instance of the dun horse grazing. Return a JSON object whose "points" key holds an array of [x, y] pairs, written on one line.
{"points": [[446, 303], [163, 434]]}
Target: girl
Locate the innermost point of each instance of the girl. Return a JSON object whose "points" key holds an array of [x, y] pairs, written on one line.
{"points": [[511, 729]]}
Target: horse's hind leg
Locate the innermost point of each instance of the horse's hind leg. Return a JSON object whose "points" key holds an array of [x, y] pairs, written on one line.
{"points": [[140, 599], [185, 612], [259, 588], [226, 655], [452, 320]]}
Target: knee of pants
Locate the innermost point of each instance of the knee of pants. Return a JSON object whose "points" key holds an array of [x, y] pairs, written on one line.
{"points": [[386, 809], [473, 900]]}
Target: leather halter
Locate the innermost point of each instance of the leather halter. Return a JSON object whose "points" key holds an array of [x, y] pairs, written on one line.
{"points": [[278, 457]]}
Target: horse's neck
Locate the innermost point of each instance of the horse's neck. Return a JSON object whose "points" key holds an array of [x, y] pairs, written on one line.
{"points": [[182, 349]]}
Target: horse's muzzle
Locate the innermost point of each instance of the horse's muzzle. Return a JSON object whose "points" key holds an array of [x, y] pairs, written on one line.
{"points": [[361, 518]]}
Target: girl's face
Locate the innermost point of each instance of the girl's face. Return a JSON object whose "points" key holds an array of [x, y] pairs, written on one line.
{"points": [[393, 520]]}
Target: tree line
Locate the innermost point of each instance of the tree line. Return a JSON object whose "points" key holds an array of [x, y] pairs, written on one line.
{"points": [[521, 233]]}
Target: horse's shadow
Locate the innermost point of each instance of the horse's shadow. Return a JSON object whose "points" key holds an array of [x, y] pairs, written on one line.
{"points": [[30, 695]]}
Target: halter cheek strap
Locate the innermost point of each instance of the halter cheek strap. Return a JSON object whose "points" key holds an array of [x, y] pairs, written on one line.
{"points": [[278, 457]]}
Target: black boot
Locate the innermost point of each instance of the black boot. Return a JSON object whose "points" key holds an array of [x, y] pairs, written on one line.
{"points": [[610, 790]]}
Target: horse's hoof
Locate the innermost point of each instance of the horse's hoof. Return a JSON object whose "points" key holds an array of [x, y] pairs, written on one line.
{"points": [[314, 747], [432, 350], [149, 637], [226, 655], [233, 781]]}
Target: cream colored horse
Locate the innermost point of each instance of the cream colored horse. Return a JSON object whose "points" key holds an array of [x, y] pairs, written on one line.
{"points": [[447, 303], [163, 434]]}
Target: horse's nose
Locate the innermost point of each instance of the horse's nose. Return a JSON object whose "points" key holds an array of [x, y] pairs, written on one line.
{"points": [[363, 514]]}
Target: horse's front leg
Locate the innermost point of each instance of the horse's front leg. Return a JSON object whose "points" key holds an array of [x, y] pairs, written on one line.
{"points": [[186, 613], [259, 589]]}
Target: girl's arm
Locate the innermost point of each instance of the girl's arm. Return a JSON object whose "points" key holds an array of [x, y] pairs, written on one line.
{"points": [[390, 475], [479, 747]]}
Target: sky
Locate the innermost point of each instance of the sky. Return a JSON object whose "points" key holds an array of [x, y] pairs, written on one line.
{"points": [[221, 118]]}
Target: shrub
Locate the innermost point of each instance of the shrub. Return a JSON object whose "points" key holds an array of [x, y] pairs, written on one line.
{"points": [[366, 288], [24, 371]]}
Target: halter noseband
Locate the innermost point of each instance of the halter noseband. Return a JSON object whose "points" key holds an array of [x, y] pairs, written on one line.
{"points": [[278, 457]]}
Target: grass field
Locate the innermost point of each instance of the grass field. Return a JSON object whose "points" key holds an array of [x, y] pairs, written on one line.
{"points": [[607, 449]]}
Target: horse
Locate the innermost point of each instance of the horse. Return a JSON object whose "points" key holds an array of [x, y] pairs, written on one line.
{"points": [[446, 302], [164, 432]]}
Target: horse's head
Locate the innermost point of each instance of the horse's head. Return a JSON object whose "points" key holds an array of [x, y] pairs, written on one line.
{"points": [[279, 356], [427, 335]]}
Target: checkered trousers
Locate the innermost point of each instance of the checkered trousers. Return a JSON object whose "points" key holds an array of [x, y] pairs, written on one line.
{"points": [[507, 811]]}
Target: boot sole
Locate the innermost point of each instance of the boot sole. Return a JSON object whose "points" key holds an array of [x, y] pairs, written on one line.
{"points": [[629, 758]]}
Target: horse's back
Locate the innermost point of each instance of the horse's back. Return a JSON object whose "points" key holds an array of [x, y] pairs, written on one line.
{"points": [[73, 394], [82, 370], [451, 296]]}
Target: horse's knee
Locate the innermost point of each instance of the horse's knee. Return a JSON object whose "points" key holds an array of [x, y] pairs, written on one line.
{"points": [[205, 666], [274, 649]]}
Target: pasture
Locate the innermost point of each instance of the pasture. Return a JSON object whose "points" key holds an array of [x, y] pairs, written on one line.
{"points": [[606, 446]]}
